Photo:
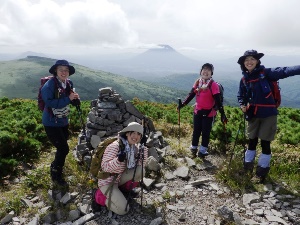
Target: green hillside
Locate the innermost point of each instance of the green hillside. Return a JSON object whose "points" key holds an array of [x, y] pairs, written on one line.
{"points": [[21, 79]]}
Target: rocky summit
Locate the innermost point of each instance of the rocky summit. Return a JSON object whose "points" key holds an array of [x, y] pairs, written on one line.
{"points": [[185, 194]]}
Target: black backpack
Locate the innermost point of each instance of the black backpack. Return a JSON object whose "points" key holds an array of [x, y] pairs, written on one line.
{"points": [[221, 88]]}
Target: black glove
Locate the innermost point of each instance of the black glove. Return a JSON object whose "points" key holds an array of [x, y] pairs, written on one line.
{"points": [[121, 156], [75, 102], [224, 118], [180, 106]]}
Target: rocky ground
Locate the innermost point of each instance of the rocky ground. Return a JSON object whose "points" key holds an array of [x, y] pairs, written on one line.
{"points": [[188, 195]]}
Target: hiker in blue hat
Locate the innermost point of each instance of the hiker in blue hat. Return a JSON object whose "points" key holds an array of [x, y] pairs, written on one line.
{"points": [[259, 98], [57, 93]]}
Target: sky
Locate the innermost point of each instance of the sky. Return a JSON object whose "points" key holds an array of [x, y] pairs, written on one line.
{"points": [[211, 28]]}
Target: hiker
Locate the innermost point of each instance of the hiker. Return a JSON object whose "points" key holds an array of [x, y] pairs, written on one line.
{"points": [[57, 94], [207, 94], [259, 105], [125, 168]]}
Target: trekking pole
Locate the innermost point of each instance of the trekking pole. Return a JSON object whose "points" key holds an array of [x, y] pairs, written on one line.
{"points": [[142, 180], [77, 105], [244, 138], [235, 142], [179, 105], [225, 134]]}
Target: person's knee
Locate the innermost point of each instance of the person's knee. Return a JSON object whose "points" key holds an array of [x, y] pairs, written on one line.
{"points": [[252, 144], [119, 207], [266, 147]]}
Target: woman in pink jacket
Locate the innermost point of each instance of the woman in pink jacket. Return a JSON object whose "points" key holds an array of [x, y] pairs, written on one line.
{"points": [[207, 94], [125, 168]]}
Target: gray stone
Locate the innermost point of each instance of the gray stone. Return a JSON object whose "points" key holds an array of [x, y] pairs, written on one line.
{"points": [[8, 217], [226, 213], [156, 221], [276, 219], [200, 181], [152, 164], [34, 221], [182, 172], [190, 162], [74, 214], [84, 219], [250, 198], [66, 198]]}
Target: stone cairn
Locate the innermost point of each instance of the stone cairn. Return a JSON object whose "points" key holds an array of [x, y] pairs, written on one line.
{"points": [[109, 114]]}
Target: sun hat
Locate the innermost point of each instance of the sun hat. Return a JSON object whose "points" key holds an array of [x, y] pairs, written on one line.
{"points": [[62, 62], [133, 126], [208, 65], [253, 53]]}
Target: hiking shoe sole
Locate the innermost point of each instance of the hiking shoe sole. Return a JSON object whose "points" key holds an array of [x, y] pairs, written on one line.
{"points": [[202, 155], [194, 152]]}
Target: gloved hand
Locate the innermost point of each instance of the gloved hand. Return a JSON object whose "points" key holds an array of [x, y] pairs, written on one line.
{"points": [[180, 106], [224, 118], [75, 102], [121, 156]]}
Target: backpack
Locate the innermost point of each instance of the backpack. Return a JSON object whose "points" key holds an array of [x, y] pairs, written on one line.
{"points": [[95, 168], [41, 103], [221, 96], [273, 86]]}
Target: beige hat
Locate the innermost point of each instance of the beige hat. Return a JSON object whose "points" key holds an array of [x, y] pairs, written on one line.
{"points": [[133, 126]]}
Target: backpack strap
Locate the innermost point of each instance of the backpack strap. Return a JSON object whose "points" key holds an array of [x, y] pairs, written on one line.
{"points": [[110, 188], [210, 85], [249, 91]]}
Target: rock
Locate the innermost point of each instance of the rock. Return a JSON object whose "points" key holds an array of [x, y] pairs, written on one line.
{"points": [[182, 172], [8, 217]]}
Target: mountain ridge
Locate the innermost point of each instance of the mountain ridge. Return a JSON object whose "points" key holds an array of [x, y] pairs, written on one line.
{"points": [[21, 79]]}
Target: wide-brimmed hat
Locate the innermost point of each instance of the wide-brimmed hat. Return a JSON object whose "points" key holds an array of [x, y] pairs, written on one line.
{"points": [[253, 53], [133, 126], [62, 62]]}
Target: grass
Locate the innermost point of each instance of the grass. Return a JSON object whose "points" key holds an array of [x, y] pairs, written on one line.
{"points": [[37, 182]]}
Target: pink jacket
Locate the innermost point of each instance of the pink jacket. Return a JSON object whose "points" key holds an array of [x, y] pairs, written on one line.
{"points": [[111, 164]]}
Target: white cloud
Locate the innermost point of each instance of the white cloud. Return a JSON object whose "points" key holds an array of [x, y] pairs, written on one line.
{"points": [[207, 27], [64, 23]]}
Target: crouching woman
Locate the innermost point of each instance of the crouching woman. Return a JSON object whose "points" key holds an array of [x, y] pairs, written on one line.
{"points": [[125, 168]]}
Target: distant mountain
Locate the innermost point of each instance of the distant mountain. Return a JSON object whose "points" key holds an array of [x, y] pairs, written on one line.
{"points": [[21, 79], [152, 64], [30, 53]]}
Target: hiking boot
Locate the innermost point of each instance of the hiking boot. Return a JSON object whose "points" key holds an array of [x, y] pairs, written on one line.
{"points": [[193, 151], [202, 155], [95, 206], [202, 152], [262, 173], [56, 176], [248, 167]]}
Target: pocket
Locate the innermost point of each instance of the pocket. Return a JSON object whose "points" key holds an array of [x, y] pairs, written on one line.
{"points": [[264, 83]]}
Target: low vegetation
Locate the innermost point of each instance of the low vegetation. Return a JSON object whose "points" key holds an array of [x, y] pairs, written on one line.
{"points": [[24, 145]]}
